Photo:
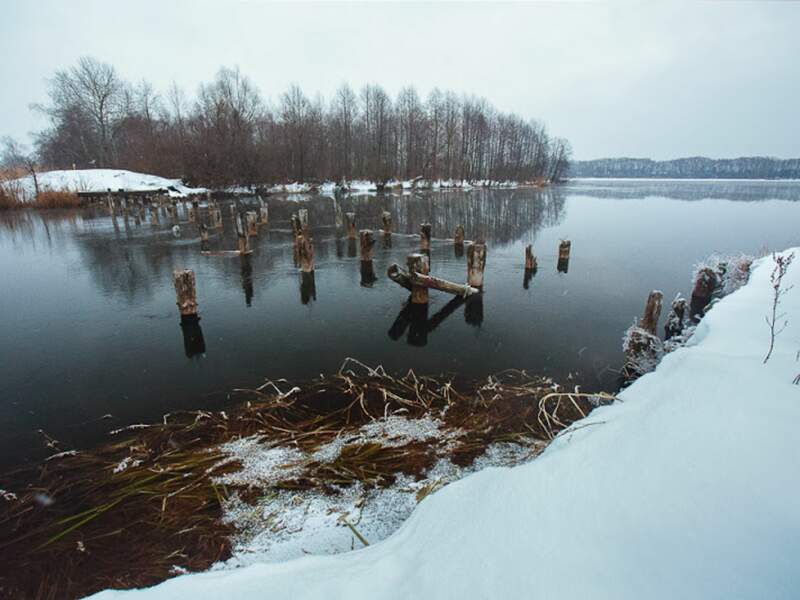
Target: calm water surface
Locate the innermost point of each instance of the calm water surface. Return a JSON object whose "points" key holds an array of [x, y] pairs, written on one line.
{"points": [[89, 327]]}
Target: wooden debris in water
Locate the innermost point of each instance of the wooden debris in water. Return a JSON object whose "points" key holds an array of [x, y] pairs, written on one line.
{"points": [[418, 265], [476, 263]]}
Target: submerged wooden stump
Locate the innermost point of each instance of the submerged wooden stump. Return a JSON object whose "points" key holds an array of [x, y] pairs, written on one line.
{"points": [[351, 225], [476, 263], [425, 237], [530, 259], [652, 311], [367, 244], [251, 218], [185, 292], [386, 217], [418, 265]]}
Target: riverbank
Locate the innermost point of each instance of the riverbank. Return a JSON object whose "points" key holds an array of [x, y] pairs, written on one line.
{"points": [[317, 467], [686, 488]]}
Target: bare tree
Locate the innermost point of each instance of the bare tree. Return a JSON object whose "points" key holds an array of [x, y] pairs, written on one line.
{"points": [[15, 156]]}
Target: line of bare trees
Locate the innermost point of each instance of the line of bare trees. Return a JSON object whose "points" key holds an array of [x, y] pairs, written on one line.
{"points": [[229, 135]]}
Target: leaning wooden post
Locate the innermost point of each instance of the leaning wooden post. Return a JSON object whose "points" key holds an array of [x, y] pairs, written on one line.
{"points": [[241, 233], [185, 292], [652, 311], [351, 225], [530, 259], [387, 223], [367, 243], [476, 263], [306, 253], [252, 223], [418, 263], [425, 237]]}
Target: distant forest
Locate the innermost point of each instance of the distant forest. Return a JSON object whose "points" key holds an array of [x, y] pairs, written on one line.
{"points": [[750, 167], [228, 134]]}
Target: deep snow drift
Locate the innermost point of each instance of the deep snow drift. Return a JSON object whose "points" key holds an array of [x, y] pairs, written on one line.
{"points": [[101, 180], [688, 488]]}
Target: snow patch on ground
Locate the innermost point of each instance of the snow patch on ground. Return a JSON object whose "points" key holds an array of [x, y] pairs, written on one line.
{"points": [[101, 180], [688, 488]]}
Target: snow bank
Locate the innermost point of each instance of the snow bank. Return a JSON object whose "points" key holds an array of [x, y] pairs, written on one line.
{"points": [[688, 488], [101, 180]]}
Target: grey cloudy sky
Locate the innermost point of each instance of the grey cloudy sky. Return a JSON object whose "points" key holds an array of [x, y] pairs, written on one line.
{"points": [[623, 79]]}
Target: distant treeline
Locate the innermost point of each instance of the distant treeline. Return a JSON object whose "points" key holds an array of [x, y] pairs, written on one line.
{"points": [[749, 167], [229, 134]]}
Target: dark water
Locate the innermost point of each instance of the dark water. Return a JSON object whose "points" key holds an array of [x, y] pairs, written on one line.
{"points": [[89, 326]]}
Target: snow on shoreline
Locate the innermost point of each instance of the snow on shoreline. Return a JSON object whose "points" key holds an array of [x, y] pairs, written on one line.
{"points": [[687, 488], [101, 180]]}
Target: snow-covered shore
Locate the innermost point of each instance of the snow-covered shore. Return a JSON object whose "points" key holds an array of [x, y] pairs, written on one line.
{"points": [[687, 488], [98, 181]]}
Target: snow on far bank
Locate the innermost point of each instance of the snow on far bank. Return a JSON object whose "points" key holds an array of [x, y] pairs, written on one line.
{"points": [[101, 180], [688, 488]]}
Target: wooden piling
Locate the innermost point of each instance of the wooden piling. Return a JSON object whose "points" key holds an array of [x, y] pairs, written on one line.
{"points": [[530, 259], [153, 214], [418, 263], [241, 234], [305, 249], [676, 320], [425, 237], [476, 263], [185, 292], [215, 216], [351, 225], [704, 285], [203, 232], [251, 218], [367, 244], [652, 311], [386, 217], [458, 236], [263, 213], [302, 216], [563, 249]]}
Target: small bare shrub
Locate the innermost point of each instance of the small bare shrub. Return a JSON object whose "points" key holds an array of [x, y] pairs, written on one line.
{"points": [[782, 263]]}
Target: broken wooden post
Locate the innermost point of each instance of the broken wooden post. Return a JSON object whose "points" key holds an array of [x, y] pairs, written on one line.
{"points": [[705, 282], [367, 244], [418, 265], [563, 256], [251, 217], [192, 211], [410, 280], [386, 217], [676, 320], [351, 225], [652, 311], [425, 237], [241, 234], [476, 263], [305, 249], [185, 292], [530, 259]]}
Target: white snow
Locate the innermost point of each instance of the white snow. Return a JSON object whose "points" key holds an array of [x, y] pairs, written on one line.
{"points": [[101, 180], [688, 488]]}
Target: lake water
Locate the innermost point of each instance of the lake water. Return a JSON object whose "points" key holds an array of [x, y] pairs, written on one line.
{"points": [[89, 326]]}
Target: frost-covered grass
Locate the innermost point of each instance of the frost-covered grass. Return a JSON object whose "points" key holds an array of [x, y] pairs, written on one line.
{"points": [[687, 488]]}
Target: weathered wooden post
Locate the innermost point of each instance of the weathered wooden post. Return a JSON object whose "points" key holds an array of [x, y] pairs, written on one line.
{"points": [[351, 225], [652, 311], [676, 320], [386, 217], [234, 210], [110, 198], [192, 209], [215, 215], [563, 256], [418, 263], [153, 214], [203, 233], [302, 216], [530, 259], [241, 234], [367, 244], [263, 213], [705, 282], [458, 236], [476, 263], [306, 253], [185, 292], [425, 237], [252, 223]]}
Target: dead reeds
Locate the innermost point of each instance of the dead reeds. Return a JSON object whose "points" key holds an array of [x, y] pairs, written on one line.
{"points": [[122, 515]]}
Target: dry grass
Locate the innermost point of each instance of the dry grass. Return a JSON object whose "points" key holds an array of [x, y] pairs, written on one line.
{"points": [[81, 523], [56, 199]]}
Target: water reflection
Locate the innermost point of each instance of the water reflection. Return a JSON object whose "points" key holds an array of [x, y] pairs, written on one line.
{"points": [[308, 287], [193, 342], [701, 189], [247, 278]]}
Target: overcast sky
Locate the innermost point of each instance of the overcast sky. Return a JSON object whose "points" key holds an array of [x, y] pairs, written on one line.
{"points": [[716, 79]]}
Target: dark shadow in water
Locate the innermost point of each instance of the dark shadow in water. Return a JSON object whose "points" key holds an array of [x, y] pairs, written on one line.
{"points": [[473, 311], [458, 250], [563, 265], [339, 246], [351, 247], [526, 278], [414, 318], [193, 342], [308, 287], [247, 279], [367, 273], [387, 240]]}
